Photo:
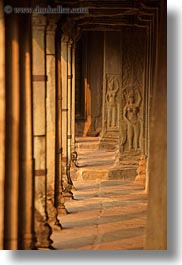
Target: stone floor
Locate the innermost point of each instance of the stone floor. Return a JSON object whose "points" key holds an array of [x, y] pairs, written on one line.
{"points": [[104, 215]]}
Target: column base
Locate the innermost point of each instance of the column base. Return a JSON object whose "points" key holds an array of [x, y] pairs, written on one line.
{"points": [[43, 231], [67, 187], [27, 242], [62, 210], [61, 207], [50, 248], [43, 236], [68, 195], [52, 216]]}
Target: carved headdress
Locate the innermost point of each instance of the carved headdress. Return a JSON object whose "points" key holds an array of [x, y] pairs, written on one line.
{"points": [[128, 92], [131, 92]]}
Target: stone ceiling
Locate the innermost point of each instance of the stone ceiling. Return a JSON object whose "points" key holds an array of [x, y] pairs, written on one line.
{"points": [[107, 14]]}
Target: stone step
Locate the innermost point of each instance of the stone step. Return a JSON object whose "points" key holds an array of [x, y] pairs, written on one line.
{"points": [[99, 164], [85, 185], [87, 143], [92, 217], [95, 158], [105, 184], [95, 155], [104, 172], [92, 189], [93, 162], [88, 194], [129, 162], [87, 139], [99, 203], [87, 146], [92, 174], [102, 213]]}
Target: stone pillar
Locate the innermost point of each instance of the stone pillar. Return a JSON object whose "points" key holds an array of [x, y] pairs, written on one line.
{"points": [[156, 232], [42, 229], [66, 181], [2, 122], [26, 233], [51, 122], [69, 136], [73, 100], [12, 133], [59, 199]]}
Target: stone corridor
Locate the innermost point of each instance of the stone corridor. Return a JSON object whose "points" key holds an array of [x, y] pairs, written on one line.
{"points": [[104, 215], [106, 212], [83, 124]]}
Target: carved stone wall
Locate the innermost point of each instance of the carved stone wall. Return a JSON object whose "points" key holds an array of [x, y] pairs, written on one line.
{"points": [[111, 102], [123, 92], [132, 105], [131, 120], [111, 90], [113, 83]]}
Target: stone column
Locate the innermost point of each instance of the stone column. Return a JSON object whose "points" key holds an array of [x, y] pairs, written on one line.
{"points": [[2, 122], [156, 232], [59, 199], [26, 233], [42, 228], [12, 133], [66, 183], [51, 122], [69, 100], [73, 100]]}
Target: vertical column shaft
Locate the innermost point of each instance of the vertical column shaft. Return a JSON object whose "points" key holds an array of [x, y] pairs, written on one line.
{"points": [[69, 136], [26, 143], [39, 130], [51, 121], [65, 67], [156, 232], [50, 106], [59, 199], [64, 84], [2, 122], [73, 100], [12, 134]]}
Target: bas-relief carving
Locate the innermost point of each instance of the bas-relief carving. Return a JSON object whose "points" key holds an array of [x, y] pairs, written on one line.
{"points": [[112, 88], [124, 101], [131, 116], [123, 109], [131, 103]]}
